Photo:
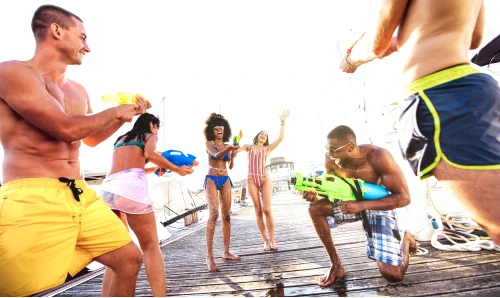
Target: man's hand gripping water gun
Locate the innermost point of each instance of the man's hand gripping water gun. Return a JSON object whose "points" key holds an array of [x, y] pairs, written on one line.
{"points": [[124, 98], [336, 188], [179, 159]]}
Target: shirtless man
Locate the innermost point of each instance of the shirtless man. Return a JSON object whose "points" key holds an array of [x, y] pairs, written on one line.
{"points": [[450, 121], [51, 224], [375, 165]]}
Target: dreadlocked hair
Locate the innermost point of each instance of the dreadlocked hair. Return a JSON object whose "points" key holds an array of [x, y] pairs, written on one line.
{"points": [[141, 127], [217, 120]]}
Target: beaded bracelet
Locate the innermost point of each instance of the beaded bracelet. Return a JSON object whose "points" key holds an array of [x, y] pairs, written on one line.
{"points": [[349, 50]]}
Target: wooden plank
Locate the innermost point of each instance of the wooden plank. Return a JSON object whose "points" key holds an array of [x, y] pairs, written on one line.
{"points": [[361, 279], [314, 270], [294, 269]]}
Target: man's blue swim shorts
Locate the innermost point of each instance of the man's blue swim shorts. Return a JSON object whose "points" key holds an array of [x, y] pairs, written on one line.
{"points": [[454, 115]]}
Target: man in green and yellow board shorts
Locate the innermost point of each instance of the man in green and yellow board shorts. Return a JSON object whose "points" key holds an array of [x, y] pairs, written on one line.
{"points": [[450, 121]]}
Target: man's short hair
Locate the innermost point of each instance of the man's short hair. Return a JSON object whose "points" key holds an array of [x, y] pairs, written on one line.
{"points": [[46, 15], [342, 132]]}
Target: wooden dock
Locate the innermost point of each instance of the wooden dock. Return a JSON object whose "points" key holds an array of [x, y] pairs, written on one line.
{"points": [[294, 269]]}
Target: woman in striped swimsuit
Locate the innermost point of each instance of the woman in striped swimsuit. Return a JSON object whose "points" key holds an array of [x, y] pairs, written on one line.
{"points": [[259, 181], [218, 184]]}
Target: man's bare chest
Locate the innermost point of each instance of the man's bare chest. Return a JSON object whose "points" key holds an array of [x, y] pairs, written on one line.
{"points": [[365, 173], [70, 98]]}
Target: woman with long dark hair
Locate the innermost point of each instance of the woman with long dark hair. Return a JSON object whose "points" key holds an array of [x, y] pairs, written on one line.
{"points": [[125, 190], [259, 182], [218, 184]]}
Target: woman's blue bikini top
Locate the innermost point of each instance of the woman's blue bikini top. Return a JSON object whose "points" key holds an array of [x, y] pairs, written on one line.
{"points": [[226, 157], [138, 144]]}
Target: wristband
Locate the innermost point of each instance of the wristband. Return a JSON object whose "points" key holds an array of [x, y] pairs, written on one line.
{"points": [[349, 50], [349, 64]]}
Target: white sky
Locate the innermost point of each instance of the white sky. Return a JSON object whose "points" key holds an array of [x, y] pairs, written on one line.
{"points": [[247, 59]]}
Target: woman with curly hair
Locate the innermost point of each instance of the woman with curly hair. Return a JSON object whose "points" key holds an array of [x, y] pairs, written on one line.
{"points": [[218, 184], [125, 190], [259, 182]]}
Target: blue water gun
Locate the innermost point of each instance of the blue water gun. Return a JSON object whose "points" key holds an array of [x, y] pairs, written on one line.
{"points": [[334, 187], [179, 159]]}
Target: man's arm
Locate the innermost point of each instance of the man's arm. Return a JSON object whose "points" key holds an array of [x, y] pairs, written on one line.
{"points": [[107, 131], [376, 41], [26, 94], [392, 178], [103, 133]]}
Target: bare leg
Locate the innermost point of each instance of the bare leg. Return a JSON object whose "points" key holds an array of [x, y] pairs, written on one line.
{"points": [[144, 227], [108, 273], [213, 215], [125, 263], [409, 246], [477, 191], [259, 214], [396, 273], [267, 193], [318, 211], [225, 209], [106, 281]]}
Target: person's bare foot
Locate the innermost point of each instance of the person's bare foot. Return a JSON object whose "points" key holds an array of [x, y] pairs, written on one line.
{"points": [[335, 272], [212, 266], [266, 246], [229, 256], [412, 244], [273, 245]]}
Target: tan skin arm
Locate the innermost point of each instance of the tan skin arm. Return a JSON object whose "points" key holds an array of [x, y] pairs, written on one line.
{"points": [[25, 92], [230, 149], [275, 144], [244, 148], [111, 128], [377, 42], [219, 155], [477, 35], [231, 159], [151, 155], [150, 170], [392, 178]]}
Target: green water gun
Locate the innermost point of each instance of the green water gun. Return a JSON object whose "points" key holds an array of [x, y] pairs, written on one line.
{"points": [[334, 187], [237, 138]]}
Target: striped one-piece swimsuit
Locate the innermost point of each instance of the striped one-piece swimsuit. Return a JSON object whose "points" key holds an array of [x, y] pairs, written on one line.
{"points": [[257, 166]]}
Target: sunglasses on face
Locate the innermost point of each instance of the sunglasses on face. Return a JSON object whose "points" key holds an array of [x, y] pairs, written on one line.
{"points": [[219, 127], [333, 150]]}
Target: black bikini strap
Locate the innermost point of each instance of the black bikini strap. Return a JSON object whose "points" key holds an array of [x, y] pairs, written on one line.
{"points": [[359, 197]]}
